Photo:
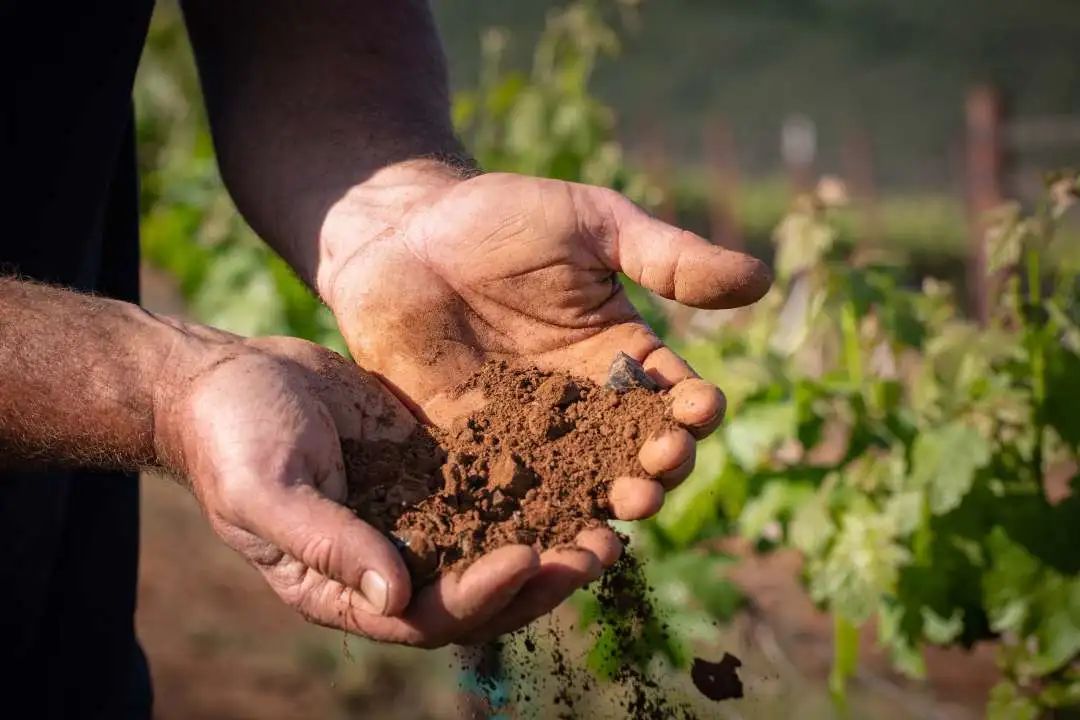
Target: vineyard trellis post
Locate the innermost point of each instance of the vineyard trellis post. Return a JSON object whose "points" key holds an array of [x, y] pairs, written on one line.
{"points": [[984, 171]]}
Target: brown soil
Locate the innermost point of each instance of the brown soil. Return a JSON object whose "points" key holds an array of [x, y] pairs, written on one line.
{"points": [[532, 466]]}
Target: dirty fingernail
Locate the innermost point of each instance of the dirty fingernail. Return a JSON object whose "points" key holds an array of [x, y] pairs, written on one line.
{"points": [[373, 588]]}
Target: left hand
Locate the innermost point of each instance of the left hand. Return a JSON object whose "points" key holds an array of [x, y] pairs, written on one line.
{"points": [[525, 269], [255, 426]]}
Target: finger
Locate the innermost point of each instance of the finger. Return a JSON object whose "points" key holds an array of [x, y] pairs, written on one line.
{"points": [[328, 538], [671, 479], [667, 368], [601, 542], [634, 498], [698, 405], [457, 605], [666, 451], [562, 571], [671, 262]]}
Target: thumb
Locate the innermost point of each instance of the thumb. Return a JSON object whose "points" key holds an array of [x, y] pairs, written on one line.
{"points": [[675, 263], [328, 538]]}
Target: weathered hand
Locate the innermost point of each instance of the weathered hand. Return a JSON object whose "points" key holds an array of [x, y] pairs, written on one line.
{"points": [[525, 269], [258, 433]]}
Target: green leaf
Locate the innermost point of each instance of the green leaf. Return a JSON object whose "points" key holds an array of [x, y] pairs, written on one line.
{"points": [[757, 430], [874, 471], [861, 567], [900, 640], [715, 485], [811, 528], [942, 630], [775, 504], [1031, 600], [945, 460], [1008, 703], [1063, 380], [1005, 236], [687, 577], [905, 510], [1062, 692], [605, 656]]}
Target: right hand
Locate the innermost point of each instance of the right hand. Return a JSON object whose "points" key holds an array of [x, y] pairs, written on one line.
{"points": [[258, 433]]}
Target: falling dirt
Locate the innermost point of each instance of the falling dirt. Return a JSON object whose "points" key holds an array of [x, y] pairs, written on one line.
{"points": [[532, 466]]}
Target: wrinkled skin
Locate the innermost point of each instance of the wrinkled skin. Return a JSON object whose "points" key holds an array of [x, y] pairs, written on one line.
{"points": [[258, 436], [525, 269]]}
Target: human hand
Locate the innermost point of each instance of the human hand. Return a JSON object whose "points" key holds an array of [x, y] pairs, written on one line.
{"points": [[524, 269], [257, 432]]}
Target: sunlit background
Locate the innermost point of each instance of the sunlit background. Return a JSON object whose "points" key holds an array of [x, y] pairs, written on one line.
{"points": [[886, 526]]}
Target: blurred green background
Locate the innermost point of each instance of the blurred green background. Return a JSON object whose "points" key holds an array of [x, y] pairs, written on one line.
{"points": [[823, 538]]}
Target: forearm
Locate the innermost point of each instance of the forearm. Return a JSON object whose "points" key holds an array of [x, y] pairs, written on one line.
{"points": [[83, 379], [311, 101]]}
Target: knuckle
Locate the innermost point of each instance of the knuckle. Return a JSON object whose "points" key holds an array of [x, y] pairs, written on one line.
{"points": [[319, 552]]}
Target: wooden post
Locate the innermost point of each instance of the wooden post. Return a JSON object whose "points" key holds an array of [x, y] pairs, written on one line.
{"points": [[723, 179], [857, 159], [984, 172]]}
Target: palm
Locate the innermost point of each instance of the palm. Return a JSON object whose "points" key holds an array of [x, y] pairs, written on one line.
{"points": [[260, 431], [502, 266]]}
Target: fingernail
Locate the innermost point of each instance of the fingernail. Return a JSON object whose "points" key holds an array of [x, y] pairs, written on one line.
{"points": [[374, 590]]}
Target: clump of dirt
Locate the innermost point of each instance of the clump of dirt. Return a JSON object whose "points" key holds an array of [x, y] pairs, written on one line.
{"points": [[532, 466], [720, 680]]}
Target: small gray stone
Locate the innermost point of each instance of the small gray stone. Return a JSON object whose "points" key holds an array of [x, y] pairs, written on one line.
{"points": [[627, 373]]}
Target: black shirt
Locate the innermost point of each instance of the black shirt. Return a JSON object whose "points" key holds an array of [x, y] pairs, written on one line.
{"points": [[69, 540]]}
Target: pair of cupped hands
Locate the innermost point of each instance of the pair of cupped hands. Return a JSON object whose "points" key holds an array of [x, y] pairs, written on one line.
{"points": [[495, 266]]}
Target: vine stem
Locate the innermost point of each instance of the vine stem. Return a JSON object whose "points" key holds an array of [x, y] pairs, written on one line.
{"points": [[846, 633], [849, 326], [1038, 358], [845, 661]]}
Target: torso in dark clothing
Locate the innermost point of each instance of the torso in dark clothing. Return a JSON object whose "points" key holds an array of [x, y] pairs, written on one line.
{"points": [[69, 540]]}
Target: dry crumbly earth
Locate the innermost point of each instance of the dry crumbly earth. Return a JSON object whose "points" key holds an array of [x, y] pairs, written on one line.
{"points": [[532, 466]]}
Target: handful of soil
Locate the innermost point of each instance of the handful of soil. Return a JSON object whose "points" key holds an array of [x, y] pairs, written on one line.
{"points": [[532, 467]]}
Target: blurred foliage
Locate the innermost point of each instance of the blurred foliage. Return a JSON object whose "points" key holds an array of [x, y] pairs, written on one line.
{"points": [[896, 71], [924, 466], [190, 228], [544, 121]]}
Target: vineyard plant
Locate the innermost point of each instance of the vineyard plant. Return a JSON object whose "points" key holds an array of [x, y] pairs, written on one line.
{"points": [[923, 465]]}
